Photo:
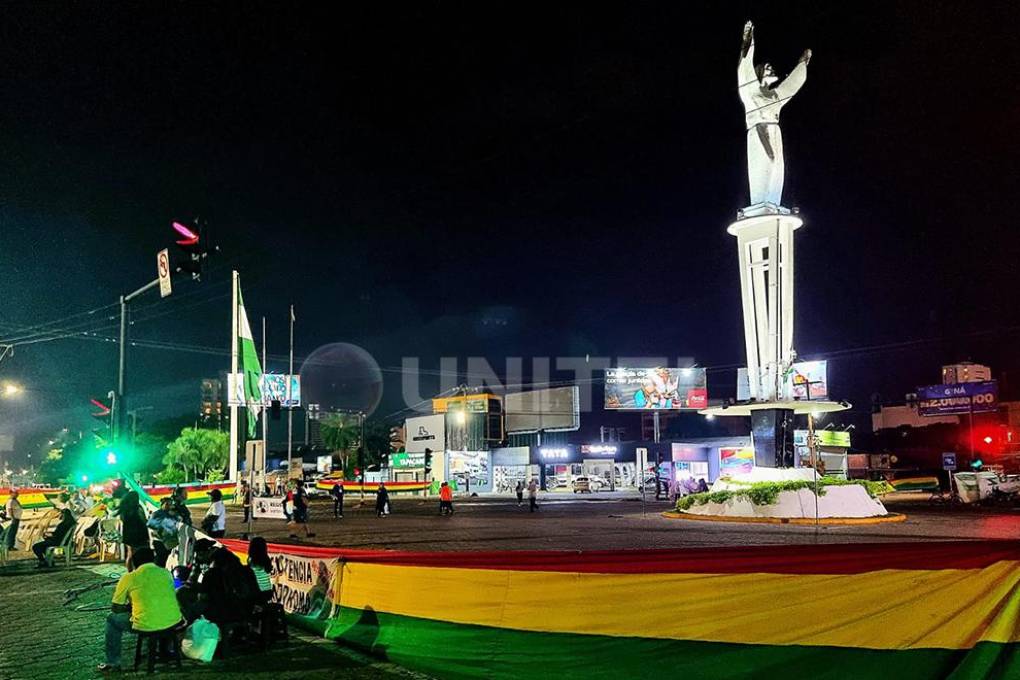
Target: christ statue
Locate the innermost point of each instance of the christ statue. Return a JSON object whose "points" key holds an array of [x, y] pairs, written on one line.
{"points": [[763, 98]]}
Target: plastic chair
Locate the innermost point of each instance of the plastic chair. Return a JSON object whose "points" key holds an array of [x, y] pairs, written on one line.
{"points": [[64, 550], [3, 544]]}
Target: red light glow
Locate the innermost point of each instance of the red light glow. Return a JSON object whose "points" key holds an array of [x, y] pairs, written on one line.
{"points": [[190, 237]]}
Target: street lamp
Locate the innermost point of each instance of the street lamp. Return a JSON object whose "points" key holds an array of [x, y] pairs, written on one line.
{"points": [[12, 389]]}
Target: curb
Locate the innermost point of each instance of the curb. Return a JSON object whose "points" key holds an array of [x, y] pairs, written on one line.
{"points": [[846, 521]]}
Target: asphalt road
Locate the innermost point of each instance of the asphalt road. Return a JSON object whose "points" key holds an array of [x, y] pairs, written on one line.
{"points": [[566, 522]]}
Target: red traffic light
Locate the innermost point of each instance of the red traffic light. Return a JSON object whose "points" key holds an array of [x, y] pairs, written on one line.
{"points": [[104, 410], [190, 238]]}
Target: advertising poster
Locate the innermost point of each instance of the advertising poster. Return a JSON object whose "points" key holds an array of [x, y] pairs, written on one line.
{"points": [[735, 461], [671, 389], [806, 380], [958, 399], [301, 584], [274, 388]]}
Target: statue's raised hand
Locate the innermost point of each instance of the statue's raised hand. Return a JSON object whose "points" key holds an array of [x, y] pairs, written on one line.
{"points": [[806, 57]]}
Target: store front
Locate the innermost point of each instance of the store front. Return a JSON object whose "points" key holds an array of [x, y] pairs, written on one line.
{"points": [[710, 458], [510, 466], [471, 471]]}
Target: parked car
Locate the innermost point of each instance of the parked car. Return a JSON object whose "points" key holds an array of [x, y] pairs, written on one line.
{"points": [[553, 483], [582, 485]]}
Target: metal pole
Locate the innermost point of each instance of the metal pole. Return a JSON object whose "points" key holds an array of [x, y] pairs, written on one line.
{"points": [[118, 419], [290, 398], [814, 464], [232, 379]]}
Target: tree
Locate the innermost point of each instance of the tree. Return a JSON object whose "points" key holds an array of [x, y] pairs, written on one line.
{"points": [[148, 453], [377, 441], [197, 454], [341, 434]]}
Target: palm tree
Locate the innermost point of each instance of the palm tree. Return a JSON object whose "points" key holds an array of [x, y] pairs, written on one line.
{"points": [[341, 434]]}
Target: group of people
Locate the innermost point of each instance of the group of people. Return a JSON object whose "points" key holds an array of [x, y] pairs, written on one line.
{"points": [[69, 504], [215, 585]]}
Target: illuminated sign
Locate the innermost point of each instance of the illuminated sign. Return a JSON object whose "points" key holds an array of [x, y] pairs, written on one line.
{"points": [[550, 453], [599, 449], [958, 399], [660, 388]]}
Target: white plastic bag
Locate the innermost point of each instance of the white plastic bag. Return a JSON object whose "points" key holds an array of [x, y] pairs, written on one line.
{"points": [[201, 639]]}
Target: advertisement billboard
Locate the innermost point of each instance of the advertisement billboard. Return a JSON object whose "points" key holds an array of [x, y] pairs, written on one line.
{"points": [[555, 409], [806, 380], [735, 461], [274, 388], [671, 389], [958, 399], [425, 432], [403, 460]]}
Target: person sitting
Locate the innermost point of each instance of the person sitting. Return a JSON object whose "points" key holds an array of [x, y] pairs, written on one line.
{"points": [[165, 524], [219, 587], [262, 567], [143, 601], [702, 485], [67, 525]]}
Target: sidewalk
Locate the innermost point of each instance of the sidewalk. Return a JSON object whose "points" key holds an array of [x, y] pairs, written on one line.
{"points": [[42, 638]]}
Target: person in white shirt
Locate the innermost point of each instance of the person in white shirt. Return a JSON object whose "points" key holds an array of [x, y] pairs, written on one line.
{"points": [[13, 510], [215, 520]]}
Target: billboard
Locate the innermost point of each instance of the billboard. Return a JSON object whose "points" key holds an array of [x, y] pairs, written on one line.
{"points": [[806, 380], [659, 388], [407, 460], [823, 438], [735, 461], [274, 388], [554, 409], [425, 432], [961, 398]]}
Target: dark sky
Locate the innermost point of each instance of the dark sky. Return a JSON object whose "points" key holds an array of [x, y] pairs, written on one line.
{"points": [[409, 176]]}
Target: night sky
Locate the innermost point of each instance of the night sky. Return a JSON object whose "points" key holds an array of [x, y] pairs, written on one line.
{"points": [[493, 180]]}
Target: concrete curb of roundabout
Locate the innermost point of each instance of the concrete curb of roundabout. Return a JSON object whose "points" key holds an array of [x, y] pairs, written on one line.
{"points": [[806, 521]]}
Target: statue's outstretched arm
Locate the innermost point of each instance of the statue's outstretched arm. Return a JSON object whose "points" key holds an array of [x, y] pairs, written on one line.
{"points": [[745, 69], [793, 82]]}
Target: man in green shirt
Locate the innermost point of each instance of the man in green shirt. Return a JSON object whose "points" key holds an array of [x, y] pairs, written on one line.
{"points": [[143, 600]]}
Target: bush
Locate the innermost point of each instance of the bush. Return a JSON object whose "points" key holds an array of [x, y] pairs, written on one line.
{"points": [[767, 493]]}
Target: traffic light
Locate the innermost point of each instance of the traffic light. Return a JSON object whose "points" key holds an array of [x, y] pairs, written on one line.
{"points": [[191, 248], [104, 414], [428, 460]]}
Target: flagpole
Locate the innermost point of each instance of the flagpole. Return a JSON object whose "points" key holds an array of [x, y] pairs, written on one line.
{"points": [[265, 420], [290, 397], [232, 473]]}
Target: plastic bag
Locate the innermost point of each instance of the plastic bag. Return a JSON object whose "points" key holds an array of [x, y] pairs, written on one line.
{"points": [[201, 639]]}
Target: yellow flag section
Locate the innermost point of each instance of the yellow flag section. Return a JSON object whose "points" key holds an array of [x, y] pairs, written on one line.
{"points": [[851, 611]]}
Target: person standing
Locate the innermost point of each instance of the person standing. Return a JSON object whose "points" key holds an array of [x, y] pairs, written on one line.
{"points": [[13, 509], [520, 493], [215, 520], [337, 493], [134, 533], [246, 500], [445, 499], [300, 512], [382, 501], [532, 495]]}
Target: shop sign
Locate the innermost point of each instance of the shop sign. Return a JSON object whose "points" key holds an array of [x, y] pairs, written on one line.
{"points": [[554, 453], [407, 460], [426, 432], [823, 438], [599, 449]]}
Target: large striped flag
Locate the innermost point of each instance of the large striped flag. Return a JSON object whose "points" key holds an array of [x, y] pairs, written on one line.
{"points": [[251, 369]]}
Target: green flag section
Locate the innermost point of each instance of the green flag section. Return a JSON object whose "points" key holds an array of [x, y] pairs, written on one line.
{"points": [[909, 611], [249, 366]]}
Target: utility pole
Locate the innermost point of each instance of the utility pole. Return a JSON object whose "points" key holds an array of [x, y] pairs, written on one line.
{"points": [[290, 397], [121, 401]]}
